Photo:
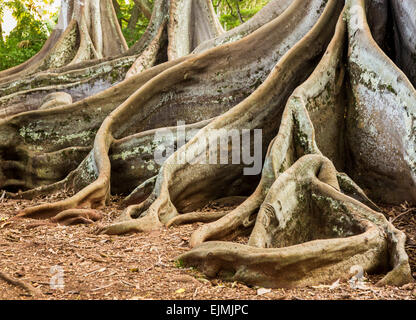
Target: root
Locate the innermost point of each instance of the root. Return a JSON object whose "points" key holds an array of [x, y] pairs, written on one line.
{"points": [[308, 222], [176, 179], [77, 40], [192, 217], [123, 121], [312, 223], [32, 291], [380, 108], [144, 224], [281, 248], [77, 216]]}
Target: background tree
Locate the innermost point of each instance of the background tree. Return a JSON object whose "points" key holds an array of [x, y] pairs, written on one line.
{"points": [[134, 18], [32, 30], [232, 13], [29, 35]]}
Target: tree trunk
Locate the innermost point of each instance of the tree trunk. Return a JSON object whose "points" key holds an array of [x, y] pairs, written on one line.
{"points": [[1, 34], [145, 7], [134, 18], [118, 12], [312, 80]]}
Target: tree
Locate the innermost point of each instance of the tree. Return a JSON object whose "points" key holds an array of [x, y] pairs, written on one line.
{"points": [[27, 38], [310, 74], [133, 18], [235, 12]]}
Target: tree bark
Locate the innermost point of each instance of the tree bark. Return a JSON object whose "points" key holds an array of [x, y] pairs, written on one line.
{"points": [[134, 18], [118, 12], [145, 7]]}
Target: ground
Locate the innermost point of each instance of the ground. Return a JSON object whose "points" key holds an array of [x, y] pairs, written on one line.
{"points": [[142, 266]]}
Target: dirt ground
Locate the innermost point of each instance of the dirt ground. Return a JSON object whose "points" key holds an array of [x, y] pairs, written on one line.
{"points": [[142, 266]]}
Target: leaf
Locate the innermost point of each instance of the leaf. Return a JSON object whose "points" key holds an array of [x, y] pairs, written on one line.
{"points": [[330, 287], [334, 285], [263, 291], [179, 291]]}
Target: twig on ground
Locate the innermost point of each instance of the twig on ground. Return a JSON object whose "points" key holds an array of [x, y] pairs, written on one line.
{"points": [[402, 214]]}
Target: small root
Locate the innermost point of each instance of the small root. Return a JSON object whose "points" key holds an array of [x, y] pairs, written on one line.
{"points": [[145, 224], [77, 216], [32, 291], [196, 217], [69, 217]]}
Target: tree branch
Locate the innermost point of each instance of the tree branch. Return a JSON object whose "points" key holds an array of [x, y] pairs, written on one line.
{"points": [[134, 18], [145, 7], [239, 13]]}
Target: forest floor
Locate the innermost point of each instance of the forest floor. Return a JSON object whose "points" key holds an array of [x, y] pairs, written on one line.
{"points": [[142, 266]]}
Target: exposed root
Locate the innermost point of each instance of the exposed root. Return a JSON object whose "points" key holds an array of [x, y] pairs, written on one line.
{"points": [[77, 216], [314, 235], [309, 223], [380, 117], [175, 179], [32, 291], [124, 119], [195, 217], [308, 229], [75, 39]]}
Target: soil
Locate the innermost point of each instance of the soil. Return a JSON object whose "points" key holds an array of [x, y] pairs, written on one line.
{"points": [[143, 266]]}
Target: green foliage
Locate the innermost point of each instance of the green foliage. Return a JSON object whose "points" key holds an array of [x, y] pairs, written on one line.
{"points": [[31, 32], [234, 12], [27, 38], [124, 14]]}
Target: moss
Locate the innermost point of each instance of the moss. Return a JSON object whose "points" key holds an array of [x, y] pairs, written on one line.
{"points": [[180, 264], [369, 79], [84, 136], [301, 138], [30, 134], [327, 202]]}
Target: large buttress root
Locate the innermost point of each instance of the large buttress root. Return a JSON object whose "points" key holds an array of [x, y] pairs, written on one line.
{"points": [[307, 232], [40, 148], [184, 187], [308, 222], [380, 117], [297, 190], [318, 103], [84, 79], [308, 229], [175, 91]]}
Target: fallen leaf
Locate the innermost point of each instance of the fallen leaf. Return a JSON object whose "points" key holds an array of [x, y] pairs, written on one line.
{"points": [[330, 287], [263, 291]]}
